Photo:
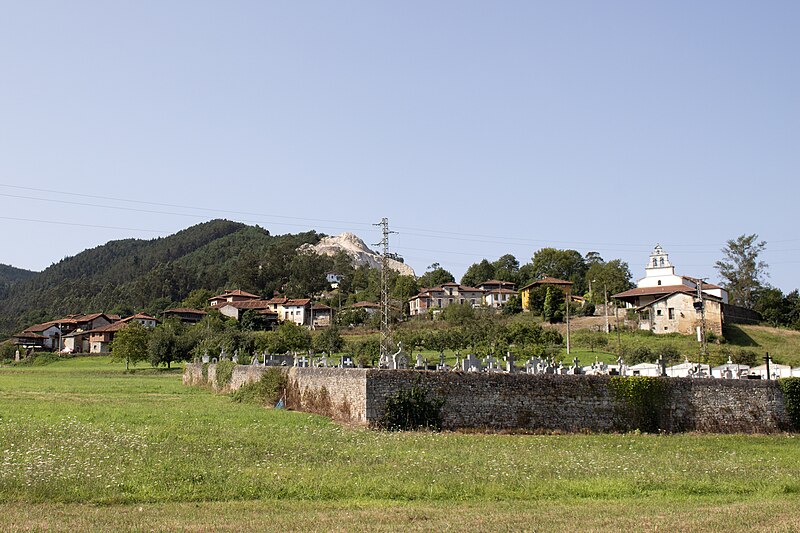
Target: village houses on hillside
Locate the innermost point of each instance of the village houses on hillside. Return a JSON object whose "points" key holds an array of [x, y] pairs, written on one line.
{"points": [[492, 293]]}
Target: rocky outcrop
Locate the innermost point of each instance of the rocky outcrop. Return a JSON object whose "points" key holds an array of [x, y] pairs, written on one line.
{"points": [[358, 252]]}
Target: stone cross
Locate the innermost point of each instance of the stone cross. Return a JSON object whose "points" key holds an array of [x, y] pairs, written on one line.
{"points": [[663, 364], [510, 368], [491, 363]]}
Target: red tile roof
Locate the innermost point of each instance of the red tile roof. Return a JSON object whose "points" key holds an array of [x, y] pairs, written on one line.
{"points": [[249, 304], [236, 292], [185, 310], [547, 281], [369, 305]]}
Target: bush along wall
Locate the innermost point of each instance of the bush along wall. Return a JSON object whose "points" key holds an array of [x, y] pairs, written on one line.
{"points": [[791, 398], [644, 399], [412, 410], [224, 373]]}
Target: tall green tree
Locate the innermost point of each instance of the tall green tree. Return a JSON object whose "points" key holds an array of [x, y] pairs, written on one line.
{"points": [[506, 268], [477, 273], [742, 271], [130, 344], [435, 276], [562, 264], [614, 276]]}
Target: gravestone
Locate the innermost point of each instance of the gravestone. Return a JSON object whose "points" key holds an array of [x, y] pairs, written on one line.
{"points": [[347, 362], [491, 363], [510, 368], [206, 358], [472, 364], [254, 361], [222, 355], [420, 364], [16, 355]]}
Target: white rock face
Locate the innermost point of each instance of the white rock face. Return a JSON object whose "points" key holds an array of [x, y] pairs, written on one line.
{"points": [[358, 252]]}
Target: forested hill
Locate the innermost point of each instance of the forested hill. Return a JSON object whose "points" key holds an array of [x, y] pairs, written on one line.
{"points": [[135, 274], [10, 276]]}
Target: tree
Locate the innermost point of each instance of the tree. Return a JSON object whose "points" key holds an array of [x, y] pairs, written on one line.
{"points": [[562, 264], [435, 276], [549, 308], [614, 276], [458, 313], [477, 273], [197, 299], [742, 271], [506, 269], [329, 341], [169, 342], [130, 344]]}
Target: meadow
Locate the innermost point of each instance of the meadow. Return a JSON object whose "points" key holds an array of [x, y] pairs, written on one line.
{"points": [[85, 446]]}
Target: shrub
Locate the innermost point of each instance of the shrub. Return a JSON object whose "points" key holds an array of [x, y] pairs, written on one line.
{"points": [[644, 396], [640, 354], [791, 397], [224, 373], [411, 410], [266, 391]]}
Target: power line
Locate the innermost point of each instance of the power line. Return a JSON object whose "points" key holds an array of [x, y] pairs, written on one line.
{"points": [[179, 206], [82, 225]]}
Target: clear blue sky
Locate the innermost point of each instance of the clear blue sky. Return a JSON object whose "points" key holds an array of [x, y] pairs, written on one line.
{"points": [[478, 128]]}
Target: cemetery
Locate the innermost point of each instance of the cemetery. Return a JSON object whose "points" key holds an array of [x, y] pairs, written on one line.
{"points": [[536, 394]]}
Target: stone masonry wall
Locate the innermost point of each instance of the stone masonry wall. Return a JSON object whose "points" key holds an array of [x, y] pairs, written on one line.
{"points": [[520, 401], [339, 393]]}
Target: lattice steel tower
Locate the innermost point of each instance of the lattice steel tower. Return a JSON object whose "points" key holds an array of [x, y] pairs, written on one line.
{"points": [[386, 334]]}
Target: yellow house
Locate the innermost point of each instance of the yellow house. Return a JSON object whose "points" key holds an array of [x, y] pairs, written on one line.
{"points": [[525, 292]]}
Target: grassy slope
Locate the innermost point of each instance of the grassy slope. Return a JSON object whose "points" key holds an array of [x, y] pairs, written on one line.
{"points": [[85, 446]]}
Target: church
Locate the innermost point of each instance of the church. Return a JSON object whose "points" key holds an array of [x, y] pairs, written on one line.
{"points": [[666, 302]]}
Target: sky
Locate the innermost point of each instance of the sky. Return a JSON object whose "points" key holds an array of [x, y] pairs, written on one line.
{"points": [[477, 128]]}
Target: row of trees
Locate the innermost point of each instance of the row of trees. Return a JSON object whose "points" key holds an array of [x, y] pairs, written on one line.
{"points": [[590, 274]]}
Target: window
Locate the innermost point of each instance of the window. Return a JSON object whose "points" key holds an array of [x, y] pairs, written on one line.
{"points": [[671, 312], [659, 282], [658, 312]]}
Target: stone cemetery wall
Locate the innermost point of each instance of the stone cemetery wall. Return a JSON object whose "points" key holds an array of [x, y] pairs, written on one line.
{"points": [[725, 406], [500, 401], [340, 393]]}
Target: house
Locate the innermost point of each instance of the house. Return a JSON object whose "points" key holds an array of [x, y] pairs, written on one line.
{"points": [[370, 307], [28, 339], [334, 279], [321, 316], [496, 293], [437, 298], [296, 310], [235, 310], [231, 296], [185, 314], [47, 334], [100, 339], [669, 303], [525, 292]]}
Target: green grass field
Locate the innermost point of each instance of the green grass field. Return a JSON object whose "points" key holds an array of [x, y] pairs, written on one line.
{"points": [[87, 447]]}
